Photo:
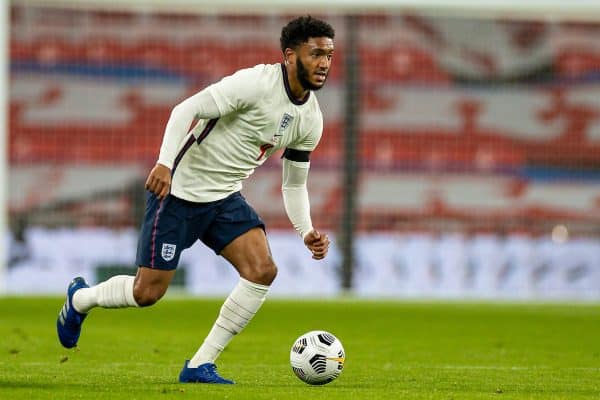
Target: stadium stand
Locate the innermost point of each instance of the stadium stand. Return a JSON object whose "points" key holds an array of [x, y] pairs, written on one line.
{"points": [[461, 129]]}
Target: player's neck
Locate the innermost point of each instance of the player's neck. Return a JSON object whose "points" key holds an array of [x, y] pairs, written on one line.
{"points": [[298, 91]]}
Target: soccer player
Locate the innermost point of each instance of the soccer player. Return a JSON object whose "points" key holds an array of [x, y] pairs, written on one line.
{"points": [[193, 192]]}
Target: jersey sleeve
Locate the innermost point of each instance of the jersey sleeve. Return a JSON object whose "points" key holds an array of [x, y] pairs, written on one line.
{"points": [[310, 141], [238, 91], [295, 195], [200, 105]]}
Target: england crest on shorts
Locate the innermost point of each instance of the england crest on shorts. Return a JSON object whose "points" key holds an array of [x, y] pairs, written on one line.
{"points": [[168, 251]]}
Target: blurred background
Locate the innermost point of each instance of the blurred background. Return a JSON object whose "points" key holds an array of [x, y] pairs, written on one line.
{"points": [[460, 156]]}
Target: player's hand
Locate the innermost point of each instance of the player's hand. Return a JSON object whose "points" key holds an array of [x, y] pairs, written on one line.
{"points": [[159, 181], [317, 243]]}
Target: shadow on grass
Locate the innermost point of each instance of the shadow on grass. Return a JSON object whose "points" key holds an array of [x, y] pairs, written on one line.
{"points": [[7, 384]]}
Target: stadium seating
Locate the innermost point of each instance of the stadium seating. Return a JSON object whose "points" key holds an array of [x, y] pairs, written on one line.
{"points": [[429, 105]]}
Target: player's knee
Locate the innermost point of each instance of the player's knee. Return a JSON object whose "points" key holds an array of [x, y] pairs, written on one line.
{"points": [[270, 272], [263, 272], [147, 296]]}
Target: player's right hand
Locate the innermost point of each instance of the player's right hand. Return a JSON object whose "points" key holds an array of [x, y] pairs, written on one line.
{"points": [[159, 181]]}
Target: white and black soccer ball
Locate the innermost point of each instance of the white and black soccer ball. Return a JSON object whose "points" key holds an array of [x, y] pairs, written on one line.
{"points": [[317, 357]]}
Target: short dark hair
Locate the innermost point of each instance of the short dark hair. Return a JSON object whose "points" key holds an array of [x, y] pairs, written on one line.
{"points": [[300, 29]]}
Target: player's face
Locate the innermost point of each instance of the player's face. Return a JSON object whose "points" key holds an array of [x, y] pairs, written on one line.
{"points": [[313, 62]]}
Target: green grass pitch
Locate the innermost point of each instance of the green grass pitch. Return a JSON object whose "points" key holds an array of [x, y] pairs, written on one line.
{"points": [[395, 350]]}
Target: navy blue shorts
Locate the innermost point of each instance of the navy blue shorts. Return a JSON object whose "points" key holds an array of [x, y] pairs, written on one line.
{"points": [[173, 224]]}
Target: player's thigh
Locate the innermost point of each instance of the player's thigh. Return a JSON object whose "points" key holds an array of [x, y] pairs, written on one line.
{"points": [[249, 253]]}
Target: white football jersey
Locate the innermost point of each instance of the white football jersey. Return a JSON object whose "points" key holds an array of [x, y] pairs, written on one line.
{"points": [[259, 115]]}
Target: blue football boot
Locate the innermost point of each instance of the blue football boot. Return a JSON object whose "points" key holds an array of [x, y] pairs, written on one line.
{"points": [[205, 373], [68, 324]]}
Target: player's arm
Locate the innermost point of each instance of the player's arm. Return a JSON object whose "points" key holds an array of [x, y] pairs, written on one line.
{"points": [[296, 164], [232, 93], [202, 106]]}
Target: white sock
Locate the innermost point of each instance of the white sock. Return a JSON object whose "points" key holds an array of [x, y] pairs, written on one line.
{"points": [[239, 308], [116, 292]]}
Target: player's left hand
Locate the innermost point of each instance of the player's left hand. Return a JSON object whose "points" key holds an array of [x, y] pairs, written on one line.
{"points": [[317, 243]]}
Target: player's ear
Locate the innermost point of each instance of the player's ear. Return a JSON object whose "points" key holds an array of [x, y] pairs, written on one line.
{"points": [[290, 56]]}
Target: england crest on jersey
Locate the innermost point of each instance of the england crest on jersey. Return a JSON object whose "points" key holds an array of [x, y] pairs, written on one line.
{"points": [[286, 120], [168, 251]]}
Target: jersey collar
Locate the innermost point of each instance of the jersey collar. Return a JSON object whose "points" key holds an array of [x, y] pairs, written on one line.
{"points": [[288, 90]]}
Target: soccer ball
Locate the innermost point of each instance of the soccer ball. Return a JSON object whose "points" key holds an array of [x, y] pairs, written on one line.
{"points": [[317, 357]]}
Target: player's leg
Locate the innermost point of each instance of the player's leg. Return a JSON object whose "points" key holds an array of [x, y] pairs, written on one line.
{"points": [[145, 289], [238, 235], [162, 239], [249, 254]]}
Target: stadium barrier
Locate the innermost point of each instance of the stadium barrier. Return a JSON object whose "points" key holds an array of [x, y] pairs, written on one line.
{"points": [[399, 265]]}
